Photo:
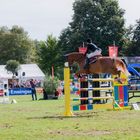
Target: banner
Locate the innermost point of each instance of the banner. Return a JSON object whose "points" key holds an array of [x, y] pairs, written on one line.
{"points": [[20, 91], [1, 88], [113, 51], [1, 92]]}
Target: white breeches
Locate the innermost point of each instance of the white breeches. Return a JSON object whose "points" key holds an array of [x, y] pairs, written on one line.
{"points": [[97, 52]]}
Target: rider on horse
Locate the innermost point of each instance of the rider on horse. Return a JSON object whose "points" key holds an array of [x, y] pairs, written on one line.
{"points": [[92, 50]]}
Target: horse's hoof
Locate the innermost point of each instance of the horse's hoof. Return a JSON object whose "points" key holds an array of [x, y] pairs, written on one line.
{"points": [[79, 76], [120, 81]]}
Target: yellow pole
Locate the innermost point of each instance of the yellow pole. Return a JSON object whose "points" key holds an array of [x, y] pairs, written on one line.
{"points": [[67, 91]]}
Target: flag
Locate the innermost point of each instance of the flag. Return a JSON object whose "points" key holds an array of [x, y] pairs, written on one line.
{"points": [[82, 50], [113, 51]]}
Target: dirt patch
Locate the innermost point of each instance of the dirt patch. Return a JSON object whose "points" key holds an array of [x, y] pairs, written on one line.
{"points": [[81, 133], [6, 125]]}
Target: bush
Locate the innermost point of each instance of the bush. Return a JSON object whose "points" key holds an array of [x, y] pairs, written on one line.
{"points": [[50, 85]]}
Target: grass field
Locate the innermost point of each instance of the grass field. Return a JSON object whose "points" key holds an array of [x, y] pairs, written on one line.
{"points": [[44, 120]]}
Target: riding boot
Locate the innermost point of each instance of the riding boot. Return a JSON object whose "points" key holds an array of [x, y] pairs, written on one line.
{"points": [[86, 66]]}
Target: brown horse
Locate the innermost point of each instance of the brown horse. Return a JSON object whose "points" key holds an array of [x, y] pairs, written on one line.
{"points": [[109, 65]]}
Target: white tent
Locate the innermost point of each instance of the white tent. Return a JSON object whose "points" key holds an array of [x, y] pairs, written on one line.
{"points": [[32, 71]]}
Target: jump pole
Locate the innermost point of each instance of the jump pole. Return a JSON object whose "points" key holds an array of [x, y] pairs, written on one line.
{"points": [[68, 111]]}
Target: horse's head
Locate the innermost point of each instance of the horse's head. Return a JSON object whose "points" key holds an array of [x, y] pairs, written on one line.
{"points": [[75, 57]]}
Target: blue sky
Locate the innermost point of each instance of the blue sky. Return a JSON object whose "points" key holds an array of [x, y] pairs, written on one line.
{"points": [[43, 17]]}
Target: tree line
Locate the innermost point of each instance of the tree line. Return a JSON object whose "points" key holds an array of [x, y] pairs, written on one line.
{"points": [[101, 20]]}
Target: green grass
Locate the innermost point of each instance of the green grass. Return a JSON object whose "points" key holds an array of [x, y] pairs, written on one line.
{"points": [[44, 120]]}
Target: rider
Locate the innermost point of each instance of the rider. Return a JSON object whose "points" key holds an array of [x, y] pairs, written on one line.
{"points": [[92, 50]]}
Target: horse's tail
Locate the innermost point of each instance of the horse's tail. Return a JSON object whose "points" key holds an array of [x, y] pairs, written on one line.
{"points": [[121, 65]]}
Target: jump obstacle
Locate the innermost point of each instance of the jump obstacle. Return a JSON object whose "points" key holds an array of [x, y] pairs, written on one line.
{"points": [[119, 96], [4, 99]]}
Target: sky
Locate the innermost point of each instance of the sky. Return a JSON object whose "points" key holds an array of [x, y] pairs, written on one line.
{"points": [[41, 18]]}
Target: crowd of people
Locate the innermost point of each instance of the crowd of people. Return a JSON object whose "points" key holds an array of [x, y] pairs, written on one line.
{"points": [[35, 84], [24, 84]]}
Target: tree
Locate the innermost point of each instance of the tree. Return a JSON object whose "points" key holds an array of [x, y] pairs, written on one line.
{"points": [[133, 48], [100, 20], [15, 44], [12, 66], [50, 85], [48, 55]]}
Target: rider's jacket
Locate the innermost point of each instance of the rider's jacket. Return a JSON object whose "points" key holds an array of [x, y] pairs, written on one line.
{"points": [[91, 47]]}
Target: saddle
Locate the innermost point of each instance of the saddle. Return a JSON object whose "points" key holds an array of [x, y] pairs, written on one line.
{"points": [[94, 59]]}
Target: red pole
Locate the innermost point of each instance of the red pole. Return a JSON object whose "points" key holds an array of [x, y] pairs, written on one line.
{"points": [[52, 72]]}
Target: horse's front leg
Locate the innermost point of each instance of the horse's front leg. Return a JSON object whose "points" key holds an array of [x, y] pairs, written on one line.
{"points": [[118, 78], [80, 72]]}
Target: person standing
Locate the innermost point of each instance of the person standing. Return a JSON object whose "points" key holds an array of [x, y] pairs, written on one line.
{"points": [[32, 83]]}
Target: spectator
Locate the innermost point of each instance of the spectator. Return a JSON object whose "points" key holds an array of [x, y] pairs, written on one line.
{"points": [[56, 94], [45, 96], [63, 91], [34, 96]]}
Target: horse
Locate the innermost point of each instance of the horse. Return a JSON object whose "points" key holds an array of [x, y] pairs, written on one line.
{"points": [[103, 64]]}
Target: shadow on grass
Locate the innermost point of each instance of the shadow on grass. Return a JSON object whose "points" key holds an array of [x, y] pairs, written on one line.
{"points": [[76, 115]]}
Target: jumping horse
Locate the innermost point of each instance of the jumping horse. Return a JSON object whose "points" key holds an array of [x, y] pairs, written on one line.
{"points": [[108, 65]]}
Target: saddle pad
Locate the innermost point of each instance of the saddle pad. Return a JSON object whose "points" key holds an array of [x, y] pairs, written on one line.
{"points": [[92, 60]]}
